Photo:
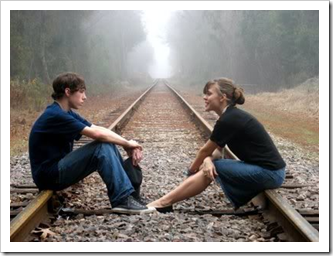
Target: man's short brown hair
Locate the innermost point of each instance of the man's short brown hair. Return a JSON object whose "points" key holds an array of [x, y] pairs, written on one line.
{"points": [[69, 80]]}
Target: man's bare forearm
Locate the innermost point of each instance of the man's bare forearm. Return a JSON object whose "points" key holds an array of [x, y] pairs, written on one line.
{"points": [[105, 135]]}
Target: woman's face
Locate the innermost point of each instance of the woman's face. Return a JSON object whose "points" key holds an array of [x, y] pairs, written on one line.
{"points": [[213, 99]]}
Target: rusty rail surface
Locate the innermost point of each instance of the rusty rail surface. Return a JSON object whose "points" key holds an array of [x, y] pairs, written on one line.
{"points": [[295, 226], [37, 210]]}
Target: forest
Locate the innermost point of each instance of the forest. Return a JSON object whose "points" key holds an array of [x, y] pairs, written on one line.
{"points": [[267, 49], [270, 49], [106, 47]]}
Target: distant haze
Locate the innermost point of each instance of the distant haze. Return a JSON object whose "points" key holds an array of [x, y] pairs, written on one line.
{"points": [[155, 23], [260, 50]]}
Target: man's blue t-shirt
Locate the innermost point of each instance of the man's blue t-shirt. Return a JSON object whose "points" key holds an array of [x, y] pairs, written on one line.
{"points": [[51, 139]]}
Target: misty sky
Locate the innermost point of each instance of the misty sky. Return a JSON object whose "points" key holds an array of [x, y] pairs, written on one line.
{"points": [[155, 22]]}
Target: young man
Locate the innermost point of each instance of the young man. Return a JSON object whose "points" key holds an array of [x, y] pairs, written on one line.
{"points": [[56, 166]]}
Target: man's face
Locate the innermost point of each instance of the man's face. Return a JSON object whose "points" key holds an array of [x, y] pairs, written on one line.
{"points": [[77, 99]]}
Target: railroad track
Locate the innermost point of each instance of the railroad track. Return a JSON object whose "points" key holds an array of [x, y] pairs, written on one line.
{"points": [[279, 215]]}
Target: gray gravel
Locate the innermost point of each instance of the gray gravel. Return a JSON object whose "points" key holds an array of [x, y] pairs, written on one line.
{"points": [[170, 142]]}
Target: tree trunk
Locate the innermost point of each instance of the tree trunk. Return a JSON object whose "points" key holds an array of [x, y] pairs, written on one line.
{"points": [[42, 54]]}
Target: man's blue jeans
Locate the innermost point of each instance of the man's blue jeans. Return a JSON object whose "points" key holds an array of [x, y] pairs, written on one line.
{"points": [[96, 156]]}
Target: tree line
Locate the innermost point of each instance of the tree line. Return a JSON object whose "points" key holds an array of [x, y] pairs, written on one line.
{"points": [[100, 45], [272, 49]]}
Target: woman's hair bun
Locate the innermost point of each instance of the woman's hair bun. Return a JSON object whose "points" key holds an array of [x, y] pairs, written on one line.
{"points": [[239, 96]]}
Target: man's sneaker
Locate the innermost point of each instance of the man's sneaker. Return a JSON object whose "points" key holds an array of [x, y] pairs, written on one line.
{"points": [[142, 200], [131, 206]]}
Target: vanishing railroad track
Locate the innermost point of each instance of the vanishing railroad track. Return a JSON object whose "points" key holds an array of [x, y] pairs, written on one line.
{"points": [[171, 132]]}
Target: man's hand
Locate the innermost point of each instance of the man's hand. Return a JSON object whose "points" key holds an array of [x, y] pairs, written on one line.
{"points": [[132, 144], [134, 150], [137, 156]]}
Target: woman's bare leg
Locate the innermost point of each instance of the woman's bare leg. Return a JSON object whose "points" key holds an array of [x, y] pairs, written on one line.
{"points": [[192, 186]]}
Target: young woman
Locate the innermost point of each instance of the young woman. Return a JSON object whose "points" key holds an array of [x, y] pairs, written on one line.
{"points": [[260, 167]]}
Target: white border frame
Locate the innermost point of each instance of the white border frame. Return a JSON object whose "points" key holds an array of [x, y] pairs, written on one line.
{"points": [[322, 246]]}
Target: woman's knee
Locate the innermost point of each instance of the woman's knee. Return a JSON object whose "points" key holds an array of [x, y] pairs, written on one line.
{"points": [[276, 180], [225, 165]]}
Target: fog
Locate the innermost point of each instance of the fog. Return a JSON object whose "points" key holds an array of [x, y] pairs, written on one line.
{"points": [[258, 49], [155, 23]]}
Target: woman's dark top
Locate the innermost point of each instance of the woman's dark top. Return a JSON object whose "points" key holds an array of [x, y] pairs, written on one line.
{"points": [[247, 139]]}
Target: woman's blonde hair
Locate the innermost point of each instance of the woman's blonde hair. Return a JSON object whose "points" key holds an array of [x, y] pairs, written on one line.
{"points": [[235, 94]]}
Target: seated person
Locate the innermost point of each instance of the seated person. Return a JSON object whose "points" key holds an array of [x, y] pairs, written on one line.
{"points": [[56, 166], [260, 167]]}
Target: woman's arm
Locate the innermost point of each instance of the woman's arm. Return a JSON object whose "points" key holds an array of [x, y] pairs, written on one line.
{"points": [[194, 184], [205, 151], [208, 167], [217, 154]]}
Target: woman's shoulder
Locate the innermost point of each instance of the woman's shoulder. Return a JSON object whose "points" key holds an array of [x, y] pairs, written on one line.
{"points": [[234, 112], [235, 116]]}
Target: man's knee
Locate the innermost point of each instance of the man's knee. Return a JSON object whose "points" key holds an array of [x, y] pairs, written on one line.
{"points": [[107, 149], [106, 146]]}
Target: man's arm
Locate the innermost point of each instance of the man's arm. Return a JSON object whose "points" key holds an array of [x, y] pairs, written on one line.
{"points": [[100, 133], [105, 135]]}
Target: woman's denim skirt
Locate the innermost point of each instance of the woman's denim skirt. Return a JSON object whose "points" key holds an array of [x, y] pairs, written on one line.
{"points": [[241, 181]]}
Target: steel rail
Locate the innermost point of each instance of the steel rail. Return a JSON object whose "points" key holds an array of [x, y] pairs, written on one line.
{"points": [[297, 228], [123, 119], [36, 211]]}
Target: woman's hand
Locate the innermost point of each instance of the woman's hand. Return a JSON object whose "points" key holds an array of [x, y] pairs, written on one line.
{"points": [[208, 169], [203, 153]]}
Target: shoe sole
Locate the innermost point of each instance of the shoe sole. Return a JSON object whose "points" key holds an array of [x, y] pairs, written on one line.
{"points": [[165, 209], [131, 211]]}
